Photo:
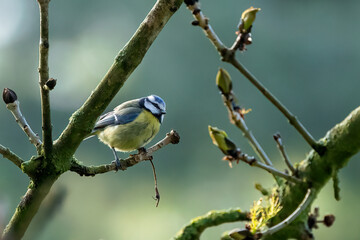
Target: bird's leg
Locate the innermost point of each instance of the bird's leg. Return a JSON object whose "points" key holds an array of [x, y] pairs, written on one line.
{"points": [[116, 161]]}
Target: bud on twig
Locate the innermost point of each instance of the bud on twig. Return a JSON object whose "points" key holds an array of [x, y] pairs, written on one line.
{"points": [[223, 82], [9, 96], [247, 19], [329, 220], [263, 191], [195, 23], [50, 84], [220, 139]]}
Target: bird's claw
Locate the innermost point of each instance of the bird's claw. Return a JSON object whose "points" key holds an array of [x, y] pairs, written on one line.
{"points": [[117, 164]]}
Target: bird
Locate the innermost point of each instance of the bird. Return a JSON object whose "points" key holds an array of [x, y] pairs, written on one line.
{"points": [[131, 125]]}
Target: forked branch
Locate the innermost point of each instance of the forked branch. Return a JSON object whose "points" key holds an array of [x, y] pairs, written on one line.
{"points": [[228, 55]]}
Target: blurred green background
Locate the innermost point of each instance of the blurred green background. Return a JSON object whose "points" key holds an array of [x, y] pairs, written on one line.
{"points": [[306, 52]]}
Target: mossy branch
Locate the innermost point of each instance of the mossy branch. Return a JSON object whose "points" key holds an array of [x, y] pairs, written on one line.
{"points": [[342, 142], [27, 208], [196, 227]]}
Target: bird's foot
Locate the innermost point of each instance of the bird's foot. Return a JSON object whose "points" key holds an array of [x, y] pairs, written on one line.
{"points": [[117, 164]]}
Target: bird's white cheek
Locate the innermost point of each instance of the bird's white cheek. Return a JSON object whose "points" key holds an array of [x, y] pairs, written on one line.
{"points": [[162, 118], [151, 107]]}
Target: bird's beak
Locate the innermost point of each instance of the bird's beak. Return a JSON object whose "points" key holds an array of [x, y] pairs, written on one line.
{"points": [[163, 112]]}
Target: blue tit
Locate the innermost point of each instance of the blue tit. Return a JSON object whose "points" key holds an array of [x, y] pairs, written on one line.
{"points": [[131, 125]]}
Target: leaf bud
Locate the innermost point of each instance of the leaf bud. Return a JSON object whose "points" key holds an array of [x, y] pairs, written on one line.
{"points": [[247, 19], [9, 96], [329, 220], [50, 84], [223, 82], [220, 139]]}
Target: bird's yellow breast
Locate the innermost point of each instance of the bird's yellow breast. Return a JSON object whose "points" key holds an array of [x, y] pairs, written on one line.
{"points": [[133, 135]]}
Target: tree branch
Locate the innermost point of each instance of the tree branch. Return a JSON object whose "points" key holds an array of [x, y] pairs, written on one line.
{"points": [[228, 55], [27, 208], [341, 142], [281, 148], [44, 76], [82, 121], [51, 206], [172, 137], [20, 119], [7, 153], [196, 227], [239, 121], [254, 163]]}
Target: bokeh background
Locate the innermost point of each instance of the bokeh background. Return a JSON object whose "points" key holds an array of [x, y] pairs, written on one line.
{"points": [[306, 52]]}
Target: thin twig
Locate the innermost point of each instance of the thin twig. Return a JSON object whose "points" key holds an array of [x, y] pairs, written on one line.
{"points": [[7, 153], [228, 55], [20, 119], [157, 194], [44, 76], [172, 137], [303, 205], [202, 21], [281, 148], [240, 123], [291, 117], [255, 163]]}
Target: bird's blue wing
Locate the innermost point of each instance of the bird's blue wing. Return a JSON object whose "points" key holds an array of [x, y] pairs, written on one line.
{"points": [[117, 117]]}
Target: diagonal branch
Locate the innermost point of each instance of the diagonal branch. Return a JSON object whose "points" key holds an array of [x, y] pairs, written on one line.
{"points": [[127, 60], [7, 153], [44, 76], [239, 121], [281, 148], [228, 55], [255, 163], [172, 137], [14, 108]]}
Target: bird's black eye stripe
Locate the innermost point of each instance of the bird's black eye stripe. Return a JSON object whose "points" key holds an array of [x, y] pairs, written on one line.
{"points": [[155, 105]]}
